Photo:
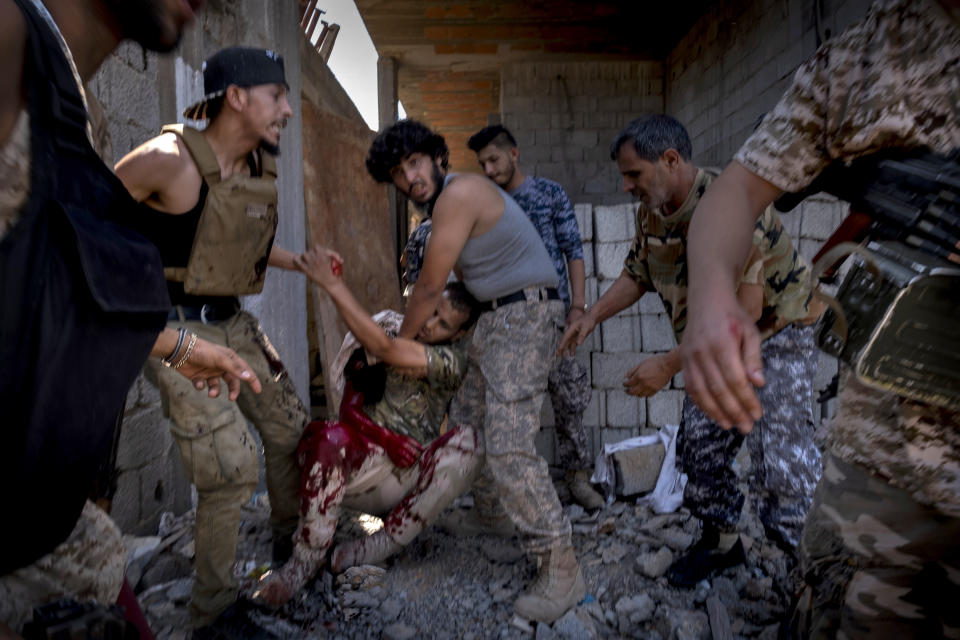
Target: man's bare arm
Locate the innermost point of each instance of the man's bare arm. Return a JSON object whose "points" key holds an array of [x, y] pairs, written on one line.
{"points": [[148, 171], [721, 345], [283, 259], [454, 215], [622, 293], [318, 265], [578, 299]]}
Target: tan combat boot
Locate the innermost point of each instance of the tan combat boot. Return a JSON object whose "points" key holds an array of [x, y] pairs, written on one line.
{"points": [[582, 491], [558, 587]]}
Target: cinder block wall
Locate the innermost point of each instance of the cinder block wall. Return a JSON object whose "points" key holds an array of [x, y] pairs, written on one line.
{"points": [[564, 116], [140, 92]]}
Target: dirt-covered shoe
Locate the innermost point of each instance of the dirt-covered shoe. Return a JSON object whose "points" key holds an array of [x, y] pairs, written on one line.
{"points": [[233, 624], [469, 523], [703, 560], [582, 491], [558, 588], [369, 550]]}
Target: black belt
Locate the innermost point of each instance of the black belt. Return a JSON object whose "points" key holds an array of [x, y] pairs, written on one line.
{"points": [[214, 311], [545, 293]]}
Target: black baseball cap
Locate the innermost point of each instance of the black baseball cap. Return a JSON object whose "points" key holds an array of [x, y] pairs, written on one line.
{"points": [[242, 66]]}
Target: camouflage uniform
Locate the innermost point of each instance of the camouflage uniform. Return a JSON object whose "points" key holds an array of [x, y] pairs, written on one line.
{"points": [[786, 461], [878, 549], [340, 466], [547, 205], [510, 356], [221, 456]]}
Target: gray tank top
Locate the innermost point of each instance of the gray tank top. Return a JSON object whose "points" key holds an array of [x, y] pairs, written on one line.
{"points": [[508, 257]]}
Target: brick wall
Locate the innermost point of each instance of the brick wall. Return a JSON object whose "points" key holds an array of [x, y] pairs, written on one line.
{"points": [[564, 116]]}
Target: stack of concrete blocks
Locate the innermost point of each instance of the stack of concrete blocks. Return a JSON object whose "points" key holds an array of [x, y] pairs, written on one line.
{"points": [[644, 329]]}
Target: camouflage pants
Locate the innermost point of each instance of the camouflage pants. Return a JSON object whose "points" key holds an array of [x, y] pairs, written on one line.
{"points": [[221, 457], [511, 353], [88, 565], [343, 468], [786, 462], [569, 388], [876, 563]]}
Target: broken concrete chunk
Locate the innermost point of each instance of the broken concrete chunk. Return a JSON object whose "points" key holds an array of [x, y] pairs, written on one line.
{"points": [[637, 469]]}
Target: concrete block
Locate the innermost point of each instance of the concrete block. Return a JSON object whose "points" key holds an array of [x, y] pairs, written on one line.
{"points": [[791, 222], [820, 218], [544, 443], [155, 487], [610, 257], [665, 408], [611, 224], [596, 409], [637, 470], [609, 369], [588, 266], [678, 381], [546, 413], [651, 303], [590, 285], [584, 215], [611, 435], [624, 410], [621, 333], [657, 333], [809, 248]]}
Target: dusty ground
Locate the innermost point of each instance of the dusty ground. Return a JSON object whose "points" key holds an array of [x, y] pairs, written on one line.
{"points": [[447, 587]]}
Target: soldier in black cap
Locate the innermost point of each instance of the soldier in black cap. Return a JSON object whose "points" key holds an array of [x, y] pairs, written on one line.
{"points": [[208, 200]]}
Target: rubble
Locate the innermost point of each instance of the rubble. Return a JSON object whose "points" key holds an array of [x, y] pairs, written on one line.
{"points": [[446, 587]]}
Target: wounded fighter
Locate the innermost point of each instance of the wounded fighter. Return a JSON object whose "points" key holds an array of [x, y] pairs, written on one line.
{"points": [[405, 471]]}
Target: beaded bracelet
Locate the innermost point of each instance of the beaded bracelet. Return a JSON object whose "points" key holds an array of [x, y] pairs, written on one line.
{"points": [[168, 361], [186, 354]]}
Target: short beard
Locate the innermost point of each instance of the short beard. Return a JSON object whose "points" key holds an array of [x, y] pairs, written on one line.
{"points": [[269, 147], [427, 207]]}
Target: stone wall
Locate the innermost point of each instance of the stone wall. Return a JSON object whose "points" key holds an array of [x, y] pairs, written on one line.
{"points": [[565, 115], [140, 92]]}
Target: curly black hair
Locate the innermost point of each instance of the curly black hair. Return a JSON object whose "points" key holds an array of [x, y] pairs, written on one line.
{"points": [[400, 140]]}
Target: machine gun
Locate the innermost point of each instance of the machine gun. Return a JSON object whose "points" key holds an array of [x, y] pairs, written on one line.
{"points": [[894, 316]]}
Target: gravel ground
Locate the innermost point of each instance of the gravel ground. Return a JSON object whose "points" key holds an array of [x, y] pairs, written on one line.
{"points": [[447, 587]]}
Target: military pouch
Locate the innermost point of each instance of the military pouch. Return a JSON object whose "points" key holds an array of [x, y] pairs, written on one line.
{"points": [[236, 228], [894, 321]]}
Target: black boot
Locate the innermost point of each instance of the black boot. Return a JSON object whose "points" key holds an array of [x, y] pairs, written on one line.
{"points": [[234, 623], [704, 559]]}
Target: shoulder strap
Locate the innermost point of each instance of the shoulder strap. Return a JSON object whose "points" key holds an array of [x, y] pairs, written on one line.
{"points": [[199, 149]]}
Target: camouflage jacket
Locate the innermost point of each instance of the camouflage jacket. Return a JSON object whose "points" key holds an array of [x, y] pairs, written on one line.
{"points": [[657, 261], [416, 407], [547, 205], [892, 80]]}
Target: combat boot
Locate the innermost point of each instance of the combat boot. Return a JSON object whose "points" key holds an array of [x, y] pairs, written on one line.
{"points": [[369, 550], [471, 523], [558, 587], [582, 491]]}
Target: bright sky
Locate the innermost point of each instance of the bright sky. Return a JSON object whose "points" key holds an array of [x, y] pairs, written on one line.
{"points": [[354, 58]]}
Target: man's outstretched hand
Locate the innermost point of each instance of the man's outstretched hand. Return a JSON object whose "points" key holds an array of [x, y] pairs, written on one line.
{"points": [[323, 266], [722, 362], [209, 362]]}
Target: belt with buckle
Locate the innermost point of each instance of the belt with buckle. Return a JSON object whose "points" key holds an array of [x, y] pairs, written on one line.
{"points": [[545, 293], [214, 311]]}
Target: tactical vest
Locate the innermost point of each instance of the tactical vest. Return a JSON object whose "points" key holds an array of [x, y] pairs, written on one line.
{"points": [[83, 299], [237, 225]]}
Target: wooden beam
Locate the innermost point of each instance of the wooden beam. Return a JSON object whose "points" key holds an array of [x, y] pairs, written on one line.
{"points": [[387, 98]]}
